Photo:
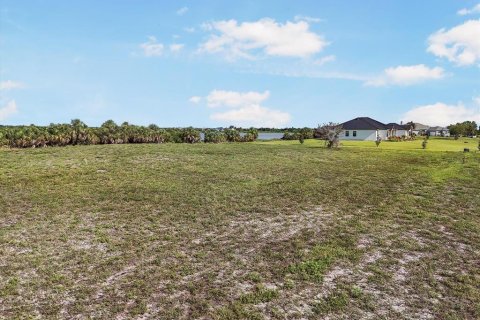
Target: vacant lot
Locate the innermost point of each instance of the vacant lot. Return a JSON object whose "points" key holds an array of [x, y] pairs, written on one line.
{"points": [[268, 230]]}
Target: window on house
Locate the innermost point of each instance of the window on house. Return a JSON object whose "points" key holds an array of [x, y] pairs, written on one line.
{"points": [[347, 133], [354, 133]]}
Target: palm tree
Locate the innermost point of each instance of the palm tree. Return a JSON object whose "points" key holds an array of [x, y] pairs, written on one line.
{"points": [[190, 135], [78, 131]]}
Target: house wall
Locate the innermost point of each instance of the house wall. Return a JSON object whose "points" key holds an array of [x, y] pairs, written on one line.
{"points": [[418, 132], [439, 133], [398, 133], [370, 135]]}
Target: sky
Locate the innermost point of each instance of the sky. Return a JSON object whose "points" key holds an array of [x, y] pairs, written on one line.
{"points": [[209, 63]]}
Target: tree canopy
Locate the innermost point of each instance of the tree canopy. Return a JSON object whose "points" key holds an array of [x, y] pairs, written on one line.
{"points": [[466, 128]]}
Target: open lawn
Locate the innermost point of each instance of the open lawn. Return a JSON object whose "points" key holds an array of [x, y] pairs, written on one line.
{"points": [[434, 144], [266, 230]]}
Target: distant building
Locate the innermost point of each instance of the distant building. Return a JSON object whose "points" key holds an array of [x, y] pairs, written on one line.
{"points": [[397, 130], [365, 128], [438, 131], [420, 129]]}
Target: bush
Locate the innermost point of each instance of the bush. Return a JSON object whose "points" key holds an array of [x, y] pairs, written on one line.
{"points": [[190, 135], [307, 133], [232, 135], [330, 133], [175, 136], [304, 133], [214, 136], [424, 143], [290, 136], [250, 136]]}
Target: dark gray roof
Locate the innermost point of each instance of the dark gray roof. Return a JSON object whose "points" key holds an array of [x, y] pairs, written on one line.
{"points": [[419, 126], [437, 129], [363, 123], [393, 125]]}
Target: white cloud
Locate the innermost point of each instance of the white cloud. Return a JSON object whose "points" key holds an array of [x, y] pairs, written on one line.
{"points": [[189, 29], [243, 40], [8, 110], [307, 19], [465, 11], [175, 47], [253, 115], [324, 60], [182, 11], [152, 48], [441, 114], [234, 99], [195, 99], [406, 75], [9, 85], [460, 45], [244, 109]]}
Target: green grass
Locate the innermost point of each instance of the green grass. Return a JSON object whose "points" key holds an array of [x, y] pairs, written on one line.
{"points": [[258, 230], [434, 144]]}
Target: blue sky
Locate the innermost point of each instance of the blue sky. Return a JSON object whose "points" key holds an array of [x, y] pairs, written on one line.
{"points": [[261, 63]]}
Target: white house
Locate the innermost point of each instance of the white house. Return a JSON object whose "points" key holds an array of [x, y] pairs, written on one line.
{"points": [[438, 131], [420, 129], [365, 128]]}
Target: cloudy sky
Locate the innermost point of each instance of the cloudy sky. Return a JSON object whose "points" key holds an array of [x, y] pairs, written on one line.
{"points": [[217, 63]]}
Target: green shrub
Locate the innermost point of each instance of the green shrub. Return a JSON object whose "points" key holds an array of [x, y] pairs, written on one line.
{"points": [[306, 133], [424, 143], [250, 135], [190, 135], [214, 136], [290, 136], [232, 135]]}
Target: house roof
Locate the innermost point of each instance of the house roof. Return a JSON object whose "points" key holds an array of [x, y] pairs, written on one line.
{"points": [[363, 123], [419, 126], [393, 125], [437, 129]]}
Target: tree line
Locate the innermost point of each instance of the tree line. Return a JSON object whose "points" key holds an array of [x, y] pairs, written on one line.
{"points": [[78, 133], [466, 128]]}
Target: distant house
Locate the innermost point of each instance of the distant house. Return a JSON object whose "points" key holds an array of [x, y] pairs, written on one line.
{"points": [[438, 131], [420, 129], [365, 128], [397, 130]]}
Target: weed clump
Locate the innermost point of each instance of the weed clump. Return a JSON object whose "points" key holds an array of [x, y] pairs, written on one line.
{"points": [[424, 143], [378, 141]]}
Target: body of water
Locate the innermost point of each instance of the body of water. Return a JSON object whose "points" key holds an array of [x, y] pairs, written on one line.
{"points": [[269, 135]]}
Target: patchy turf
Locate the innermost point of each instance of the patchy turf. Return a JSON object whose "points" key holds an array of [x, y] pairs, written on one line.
{"points": [[268, 230], [433, 144]]}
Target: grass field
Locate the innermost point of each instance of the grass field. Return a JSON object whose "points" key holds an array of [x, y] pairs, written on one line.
{"points": [[266, 230], [434, 144]]}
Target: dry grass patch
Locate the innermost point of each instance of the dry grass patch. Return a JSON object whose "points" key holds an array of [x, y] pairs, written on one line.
{"points": [[238, 231]]}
